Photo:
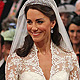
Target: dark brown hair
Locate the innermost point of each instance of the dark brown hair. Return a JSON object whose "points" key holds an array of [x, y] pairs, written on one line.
{"points": [[75, 20], [55, 36], [1, 40]]}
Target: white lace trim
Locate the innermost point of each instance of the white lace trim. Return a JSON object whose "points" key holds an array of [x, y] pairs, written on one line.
{"points": [[61, 61]]}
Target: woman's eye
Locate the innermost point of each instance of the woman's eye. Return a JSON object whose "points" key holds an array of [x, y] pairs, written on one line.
{"points": [[29, 22], [39, 22], [72, 31], [78, 31]]}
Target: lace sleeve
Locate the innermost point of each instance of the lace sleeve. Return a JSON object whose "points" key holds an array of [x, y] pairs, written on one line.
{"points": [[74, 74], [12, 65]]}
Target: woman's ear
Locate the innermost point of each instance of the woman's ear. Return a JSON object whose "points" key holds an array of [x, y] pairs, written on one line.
{"points": [[53, 23]]}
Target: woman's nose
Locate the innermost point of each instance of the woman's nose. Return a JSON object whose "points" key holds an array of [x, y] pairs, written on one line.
{"points": [[75, 34], [34, 27]]}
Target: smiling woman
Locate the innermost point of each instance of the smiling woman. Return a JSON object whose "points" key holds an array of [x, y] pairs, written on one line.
{"points": [[74, 33], [46, 53], [38, 26]]}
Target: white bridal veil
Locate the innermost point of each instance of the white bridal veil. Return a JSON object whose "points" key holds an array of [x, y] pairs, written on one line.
{"points": [[21, 29]]}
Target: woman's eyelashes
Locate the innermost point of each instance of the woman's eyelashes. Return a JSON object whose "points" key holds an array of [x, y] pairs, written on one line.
{"points": [[78, 31], [29, 22], [74, 31], [38, 22]]}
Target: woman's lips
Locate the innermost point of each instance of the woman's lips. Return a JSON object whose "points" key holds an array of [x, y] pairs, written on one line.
{"points": [[36, 34]]}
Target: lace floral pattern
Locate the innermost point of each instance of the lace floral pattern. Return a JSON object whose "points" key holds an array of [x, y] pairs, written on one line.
{"points": [[62, 63]]}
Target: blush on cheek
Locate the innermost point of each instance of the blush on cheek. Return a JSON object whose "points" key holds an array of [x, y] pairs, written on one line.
{"points": [[28, 27], [44, 27]]}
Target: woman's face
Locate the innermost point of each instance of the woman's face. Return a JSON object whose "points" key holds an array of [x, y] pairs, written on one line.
{"points": [[65, 18], [38, 25], [74, 33]]}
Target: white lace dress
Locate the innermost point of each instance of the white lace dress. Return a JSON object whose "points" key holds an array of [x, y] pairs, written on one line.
{"points": [[64, 66]]}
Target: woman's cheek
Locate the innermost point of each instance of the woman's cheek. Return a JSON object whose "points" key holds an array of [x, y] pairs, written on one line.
{"points": [[28, 27]]}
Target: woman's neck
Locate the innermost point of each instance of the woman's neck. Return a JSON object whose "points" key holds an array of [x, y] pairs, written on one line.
{"points": [[76, 47], [43, 47]]}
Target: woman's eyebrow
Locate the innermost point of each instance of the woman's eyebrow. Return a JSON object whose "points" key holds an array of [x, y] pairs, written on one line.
{"points": [[39, 19], [28, 19]]}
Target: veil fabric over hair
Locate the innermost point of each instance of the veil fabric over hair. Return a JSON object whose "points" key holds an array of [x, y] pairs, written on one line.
{"points": [[21, 28]]}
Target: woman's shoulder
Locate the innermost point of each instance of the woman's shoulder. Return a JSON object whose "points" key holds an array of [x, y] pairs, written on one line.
{"points": [[13, 55], [69, 56], [64, 52], [14, 58]]}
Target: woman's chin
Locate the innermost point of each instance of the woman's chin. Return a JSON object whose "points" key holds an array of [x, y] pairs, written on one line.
{"points": [[76, 42], [36, 40]]}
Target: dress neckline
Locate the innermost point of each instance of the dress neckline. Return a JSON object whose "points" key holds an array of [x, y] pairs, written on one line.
{"points": [[36, 51]]}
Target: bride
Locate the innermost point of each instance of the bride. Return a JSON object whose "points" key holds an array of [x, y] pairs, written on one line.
{"points": [[41, 49]]}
